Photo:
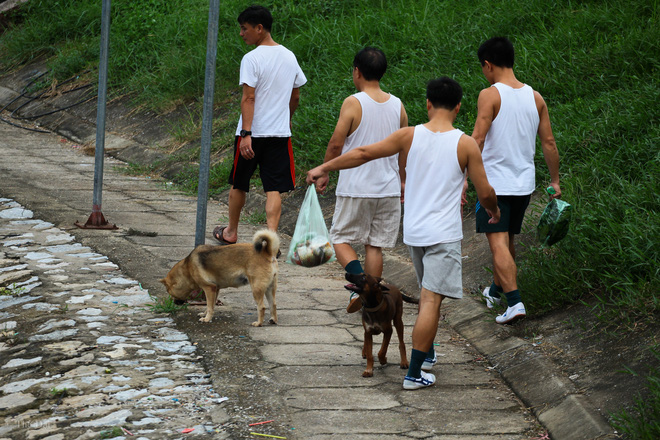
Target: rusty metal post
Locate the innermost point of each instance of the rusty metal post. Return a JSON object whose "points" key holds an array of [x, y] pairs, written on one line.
{"points": [[96, 219], [207, 123]]}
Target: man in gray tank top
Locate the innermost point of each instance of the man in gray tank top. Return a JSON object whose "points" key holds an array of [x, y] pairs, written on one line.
{"points": [[510, 116]]}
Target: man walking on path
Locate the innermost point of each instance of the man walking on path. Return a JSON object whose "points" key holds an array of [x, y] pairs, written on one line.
{"points": [[436, 156], [271, 78], [510, 115], [368, 206]]}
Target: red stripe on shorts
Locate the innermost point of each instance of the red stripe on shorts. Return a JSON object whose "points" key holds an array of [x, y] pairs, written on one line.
{"points": [[291, 163]]}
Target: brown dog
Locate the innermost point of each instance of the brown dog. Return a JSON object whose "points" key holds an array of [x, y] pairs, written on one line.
{"points": [[215, 267], [382, 304]]}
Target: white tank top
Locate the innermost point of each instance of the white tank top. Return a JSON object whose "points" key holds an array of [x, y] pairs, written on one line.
{"points": [[434, 183], [380, 177], [511, 142]]}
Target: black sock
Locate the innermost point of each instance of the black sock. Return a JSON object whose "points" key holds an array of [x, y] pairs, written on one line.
{"points": [[513, 298], [495, 290], [431, 353], [416, 360], [354, 267]]}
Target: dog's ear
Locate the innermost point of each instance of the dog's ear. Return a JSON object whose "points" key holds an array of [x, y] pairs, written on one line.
{"points": [[383, 288], [163, 280], [378, 279]]}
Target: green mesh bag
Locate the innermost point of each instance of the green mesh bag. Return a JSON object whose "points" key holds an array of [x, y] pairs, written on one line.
{"points": [[555, 221]]}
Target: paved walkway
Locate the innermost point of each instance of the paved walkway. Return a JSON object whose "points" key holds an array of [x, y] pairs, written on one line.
{"points": [[83, 352]]}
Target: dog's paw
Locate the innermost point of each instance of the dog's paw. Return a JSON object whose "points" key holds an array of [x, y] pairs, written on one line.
{"points": [[382, 360], [205, 319], [256, 324], [368, 373], [272, 321], [404, 365]]}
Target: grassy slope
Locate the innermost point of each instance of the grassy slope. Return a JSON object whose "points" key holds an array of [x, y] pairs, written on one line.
{"points": [[595, 62]]}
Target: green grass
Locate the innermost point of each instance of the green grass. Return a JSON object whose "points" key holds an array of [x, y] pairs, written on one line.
{"points": [[596, 64], [165, 305], [642, 421]]}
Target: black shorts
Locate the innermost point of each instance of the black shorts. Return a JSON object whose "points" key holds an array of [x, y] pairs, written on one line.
{"points": [[512, 214], [274, 156]]}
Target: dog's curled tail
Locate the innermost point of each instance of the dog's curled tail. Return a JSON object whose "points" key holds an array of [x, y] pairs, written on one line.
{"points": [[409, 299], [266, 241]]}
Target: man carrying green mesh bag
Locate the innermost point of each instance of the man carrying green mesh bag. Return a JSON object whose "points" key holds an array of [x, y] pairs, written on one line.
{"points": [[510, 116]]}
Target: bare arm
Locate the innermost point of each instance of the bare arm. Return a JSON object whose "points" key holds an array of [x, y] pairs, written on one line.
{"points": [[469, 157], [548, 144], [487, 107], [403, 157], [294, 101], [397, 142], [247, 114]]}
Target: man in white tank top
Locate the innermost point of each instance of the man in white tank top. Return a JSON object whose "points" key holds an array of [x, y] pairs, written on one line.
{"points": [[510, 116], [436, 156], [368, 206]]}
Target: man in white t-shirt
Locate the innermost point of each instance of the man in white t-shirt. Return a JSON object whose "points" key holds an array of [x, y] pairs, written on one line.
{"points": [[509, 117], [368, 206], [436, 156], [271, 78]]}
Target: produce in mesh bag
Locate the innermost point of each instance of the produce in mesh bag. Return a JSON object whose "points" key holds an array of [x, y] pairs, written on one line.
{"points": [[555, 221], [312, 251]]}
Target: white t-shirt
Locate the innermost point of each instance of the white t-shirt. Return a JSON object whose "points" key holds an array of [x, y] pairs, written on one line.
{"points": [[380, 177], [510, 143], [434, 184], [274, 72]]}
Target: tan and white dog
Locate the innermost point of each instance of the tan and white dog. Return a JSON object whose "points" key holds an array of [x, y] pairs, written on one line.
{"points": [[211, 268]]}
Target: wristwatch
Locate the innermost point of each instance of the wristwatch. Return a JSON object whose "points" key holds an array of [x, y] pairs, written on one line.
{"points": [[245, 133]]}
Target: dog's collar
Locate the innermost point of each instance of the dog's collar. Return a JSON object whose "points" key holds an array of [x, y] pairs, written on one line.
{"points": [[374, 309]]}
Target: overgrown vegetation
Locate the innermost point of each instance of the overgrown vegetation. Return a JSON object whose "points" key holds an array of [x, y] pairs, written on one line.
{"points": [[643, 420], [596, 63]]}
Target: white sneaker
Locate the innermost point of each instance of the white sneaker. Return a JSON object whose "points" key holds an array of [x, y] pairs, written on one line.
{"points": [[491, 301], [413, 383], [429, 363], [512, 314]]}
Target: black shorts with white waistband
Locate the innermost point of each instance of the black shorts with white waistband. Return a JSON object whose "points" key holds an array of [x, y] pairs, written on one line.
{"points": [[273, 156]]}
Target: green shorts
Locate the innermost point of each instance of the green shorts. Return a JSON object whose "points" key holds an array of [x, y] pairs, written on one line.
{"points": [[512, 214]]}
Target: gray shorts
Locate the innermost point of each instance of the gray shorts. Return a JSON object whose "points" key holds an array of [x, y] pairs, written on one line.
{"points": [[366, 221], [439, 268]]}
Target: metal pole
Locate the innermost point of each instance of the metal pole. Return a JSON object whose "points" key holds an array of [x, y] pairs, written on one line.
{"points": [[96, 220], [207, 122]]}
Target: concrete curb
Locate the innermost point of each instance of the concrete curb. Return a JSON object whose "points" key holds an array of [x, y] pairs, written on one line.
{"points": [[535, 379]]}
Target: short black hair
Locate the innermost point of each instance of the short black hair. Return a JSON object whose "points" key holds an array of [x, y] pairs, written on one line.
{"points": [[371, 62], [255, 15], [497, 51], [444, 93]]}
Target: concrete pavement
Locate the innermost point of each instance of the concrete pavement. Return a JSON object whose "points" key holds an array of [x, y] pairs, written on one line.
{"points": [[123, 365], [86, 327]]}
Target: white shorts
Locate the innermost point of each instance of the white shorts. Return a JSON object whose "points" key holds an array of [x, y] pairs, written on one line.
{"points": [[366, 221], [439, 268]]}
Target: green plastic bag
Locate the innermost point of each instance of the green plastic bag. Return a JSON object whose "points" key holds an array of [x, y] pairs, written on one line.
{"points": [[555, 221], [310, 244]]}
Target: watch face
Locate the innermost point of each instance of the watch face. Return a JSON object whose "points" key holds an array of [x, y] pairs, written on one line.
{"points": [[245, 133]]}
